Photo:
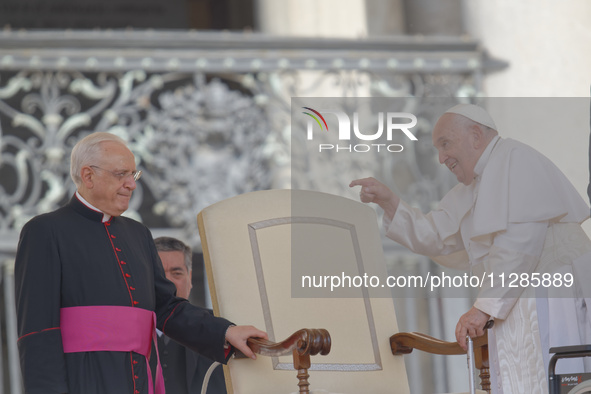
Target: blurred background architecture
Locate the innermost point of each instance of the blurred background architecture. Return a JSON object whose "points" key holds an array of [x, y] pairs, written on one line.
{"points": [[202, 91]]}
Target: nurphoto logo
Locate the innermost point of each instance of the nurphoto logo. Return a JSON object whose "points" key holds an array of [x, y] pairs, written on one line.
{"points": [[395, 124]]}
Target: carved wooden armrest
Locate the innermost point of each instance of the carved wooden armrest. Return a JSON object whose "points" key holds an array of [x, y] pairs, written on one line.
{"points": [[302, 344], [405, 342], [307, 341]]}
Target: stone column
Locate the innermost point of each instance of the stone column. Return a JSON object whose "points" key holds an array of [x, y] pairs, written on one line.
{"points": [[385, 17], [312, 18], [434, 17]]}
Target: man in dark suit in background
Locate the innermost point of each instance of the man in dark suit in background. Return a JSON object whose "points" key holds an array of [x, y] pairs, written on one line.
{"points": [[183, 369]]}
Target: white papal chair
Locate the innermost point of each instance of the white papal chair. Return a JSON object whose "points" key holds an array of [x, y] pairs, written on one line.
{"points": [[259, 250]]}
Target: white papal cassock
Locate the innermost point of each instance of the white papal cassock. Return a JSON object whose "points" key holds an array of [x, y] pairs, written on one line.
{"points": [[519, 215]]}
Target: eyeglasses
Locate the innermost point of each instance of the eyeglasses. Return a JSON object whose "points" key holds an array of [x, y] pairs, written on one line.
{"points": [[121, 175]]}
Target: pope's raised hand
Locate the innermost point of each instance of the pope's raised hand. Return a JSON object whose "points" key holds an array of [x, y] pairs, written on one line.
{"points": [[376, 192]]}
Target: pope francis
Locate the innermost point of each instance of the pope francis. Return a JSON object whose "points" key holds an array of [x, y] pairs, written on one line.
{"points": [[512, 213]]}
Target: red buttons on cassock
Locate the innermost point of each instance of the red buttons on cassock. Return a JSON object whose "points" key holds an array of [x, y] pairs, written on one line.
{"points": [[118, 250], [127, 276], [135, 302], [112, 236], [123, 262]]}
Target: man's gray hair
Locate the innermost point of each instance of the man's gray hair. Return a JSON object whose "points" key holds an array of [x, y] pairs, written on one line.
{"points": [[88, 152], [169, 244]]}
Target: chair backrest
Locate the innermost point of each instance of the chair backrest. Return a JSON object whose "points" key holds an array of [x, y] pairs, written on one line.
{"points": [[258, 247]]}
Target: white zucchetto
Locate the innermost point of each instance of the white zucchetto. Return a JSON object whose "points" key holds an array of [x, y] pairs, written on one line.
{"points": [[473, 112]]}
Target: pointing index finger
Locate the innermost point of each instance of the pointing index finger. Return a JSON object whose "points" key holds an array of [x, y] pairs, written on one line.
{"points": [[360, 182]]}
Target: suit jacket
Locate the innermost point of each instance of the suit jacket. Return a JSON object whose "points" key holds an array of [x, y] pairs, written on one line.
{"points": [[184, 369]]}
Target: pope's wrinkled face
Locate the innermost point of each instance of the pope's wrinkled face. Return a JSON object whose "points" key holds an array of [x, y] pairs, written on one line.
{"points": [[111, 179], [457, 146], [176, 271]]}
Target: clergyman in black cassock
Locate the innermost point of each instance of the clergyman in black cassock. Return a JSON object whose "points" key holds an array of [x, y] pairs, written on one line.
{"points": [[86, 257]]}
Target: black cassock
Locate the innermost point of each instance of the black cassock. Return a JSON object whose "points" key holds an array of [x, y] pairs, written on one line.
{"points": [[70, 258]]}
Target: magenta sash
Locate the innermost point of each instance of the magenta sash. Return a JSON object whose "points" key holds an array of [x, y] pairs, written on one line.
{"points": [[111, 328]]}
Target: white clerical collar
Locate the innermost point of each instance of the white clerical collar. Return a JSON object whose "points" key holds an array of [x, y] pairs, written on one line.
{"points": [[481, 163], [106, 216]]}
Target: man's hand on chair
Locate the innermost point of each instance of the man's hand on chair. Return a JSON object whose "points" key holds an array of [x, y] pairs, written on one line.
{"points": [[471, 323], [238, 335]]}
